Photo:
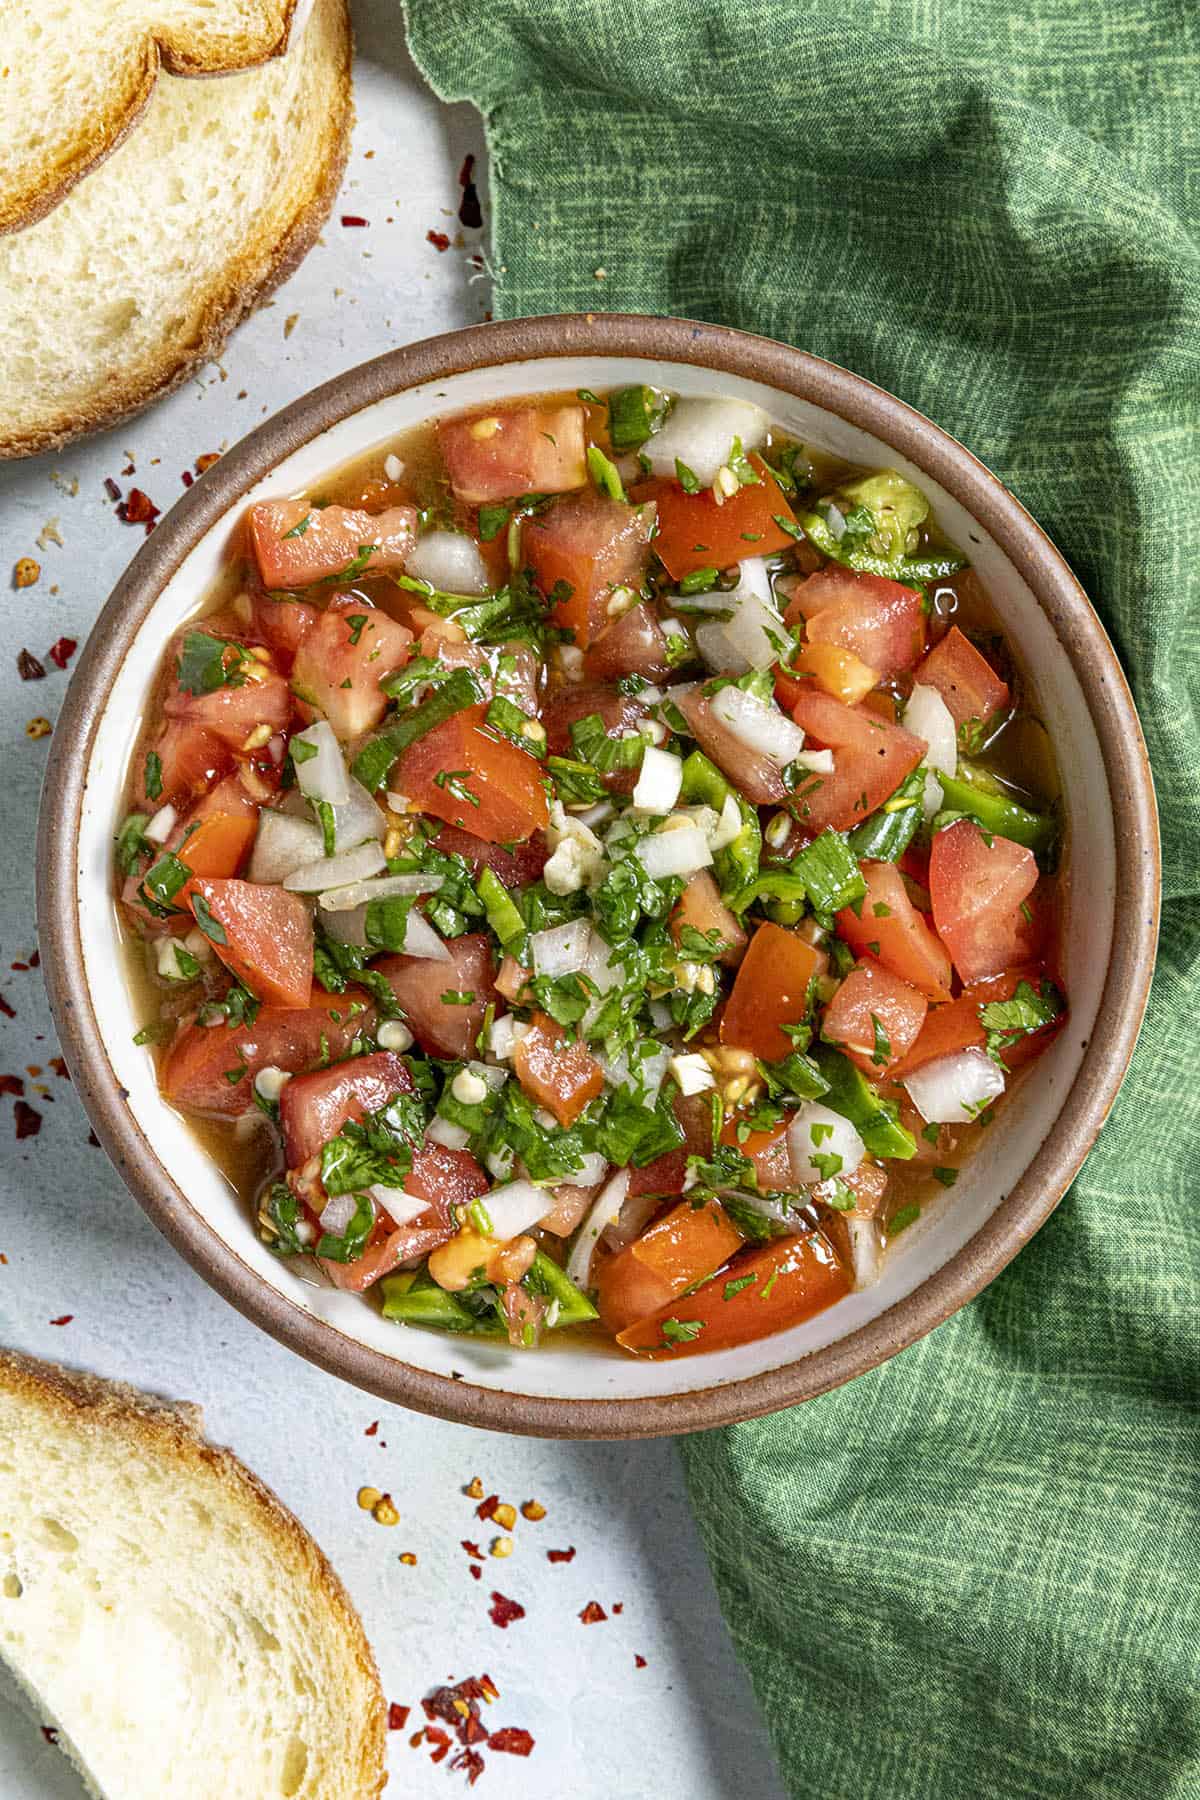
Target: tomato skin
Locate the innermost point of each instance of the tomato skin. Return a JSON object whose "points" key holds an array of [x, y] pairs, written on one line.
{"points": [[948, 1029], [356, 643], [898, 934], [268, 936], [770, 991], [964, 678], [192, 759], [330, 544], [523, 450], [831, 668], [556, 1073], [193, 1072], [508, 802], [701, 906], [634, 644], [592, 544], [515, 868], [793, 1278], [871, 759], [313, 1108], [695, 533], [440, 1029], [445, 1178], [879, 621], [758, 778], [872, 992], [681, 1248], [977, 887], [231, 713]]}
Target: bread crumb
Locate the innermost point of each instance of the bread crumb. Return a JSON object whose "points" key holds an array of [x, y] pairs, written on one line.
{"points": [[49, 534]]}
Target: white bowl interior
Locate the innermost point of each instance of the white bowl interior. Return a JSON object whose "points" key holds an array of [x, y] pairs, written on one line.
{"points": [[1020, 1128]]}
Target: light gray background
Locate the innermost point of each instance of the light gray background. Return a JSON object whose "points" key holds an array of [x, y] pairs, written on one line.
{"points": [[76, 1243]]}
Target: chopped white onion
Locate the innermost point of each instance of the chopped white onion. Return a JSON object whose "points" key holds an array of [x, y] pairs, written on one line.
{"points": [[642, 1067], [399, 803], [338, 1213], [599, 814], [359, 819], [393, 468], [442, 1131], [954, 1089], [492, 1079], [692, 1073], [658, 782], [591, 1170], [348, 927], [835, 518], [752, 636], [728, 825], [700, 433], [660, 1015], [336, 871], [562, 950], [927, 716], [161, 825], [866, 1250], [450, 561], [931, 795], [421, 940], [398, 1202], [380, 887], [816, 1131], [759, 725], [323, 776], [282, 845], [505, 1035], [678, 852], [605, 1211], [513, 1208], [820, 761]]}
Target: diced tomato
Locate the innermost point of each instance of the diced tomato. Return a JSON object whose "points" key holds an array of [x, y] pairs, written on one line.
{"points": [[619, 712], [633, 645], [446, 1179], [827, 666], [870, 760], [281, 624], [558, 1074], [875, 1017], [695, 1116], [786, 1282], [296, 543], [881, 621], [955, 1027], [888, 926], [446, 1028], [771, 991], [515, 868], [192, 760], [592, 545], [220, 843], [232, 713], [977, 886], [678, 1250], [211, 1068], [701, 907], [529, 450], [964, 678], [883, 706], [474, 779], [768, 1151], [342, 660], [665, 1174], [263, 934], [759, 779], [868, 1183], [313, 1108], [695, 533]]}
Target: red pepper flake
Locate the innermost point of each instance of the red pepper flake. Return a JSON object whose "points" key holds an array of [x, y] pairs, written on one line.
{"points": [[417, 1739], [435, 1735], [139, 509], [471, 1763], [204, 463], [187, 478], [467, 170], [593, 1613], [33, 1069], [398, 1716], [438, 239], [557, 1556], [487, 1508], [372, 1428], [475, 1570], [353, 219], [619, 1607], [29, 1122], [50, 1733], [6, 1009], [513, 1739], [3, 1259], [111, 488], [35, 961], [29, 668], [470, 213], [471, 1549], [11, 1084], [64, 1320], [503, 1610], [93, 1140], [639, 1662], [60, 1068], [62, 651]]}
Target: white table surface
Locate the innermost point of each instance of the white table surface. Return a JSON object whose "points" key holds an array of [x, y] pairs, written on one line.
{"points": [[77, 1244]]}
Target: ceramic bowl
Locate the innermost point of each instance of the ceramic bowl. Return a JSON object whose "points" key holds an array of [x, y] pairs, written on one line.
{"points": [[1038, 1141]]}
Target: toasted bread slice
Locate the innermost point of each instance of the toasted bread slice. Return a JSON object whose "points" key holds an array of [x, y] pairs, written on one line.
{"points": [[164, 1612], [139, 276], [76, 74]]}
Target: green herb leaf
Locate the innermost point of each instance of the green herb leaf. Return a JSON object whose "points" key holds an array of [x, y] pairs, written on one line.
{"points": [[152, 780], [131, 843], [212, 928]]}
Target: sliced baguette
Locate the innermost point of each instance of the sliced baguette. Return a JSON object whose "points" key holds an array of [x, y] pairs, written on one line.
{"points": [[76, 74], [164, 1612], [140, 274]]}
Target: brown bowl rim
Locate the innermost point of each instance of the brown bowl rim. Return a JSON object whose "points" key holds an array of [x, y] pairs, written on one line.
{"points": [[1079, 630]]}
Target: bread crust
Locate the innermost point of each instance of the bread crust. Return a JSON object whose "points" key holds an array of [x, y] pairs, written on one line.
{"points": [[26, 202], [89, 1405], [240, 290]]}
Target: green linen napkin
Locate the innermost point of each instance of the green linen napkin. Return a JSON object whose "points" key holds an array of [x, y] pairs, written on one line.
{"points": [[973, 1571]]}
